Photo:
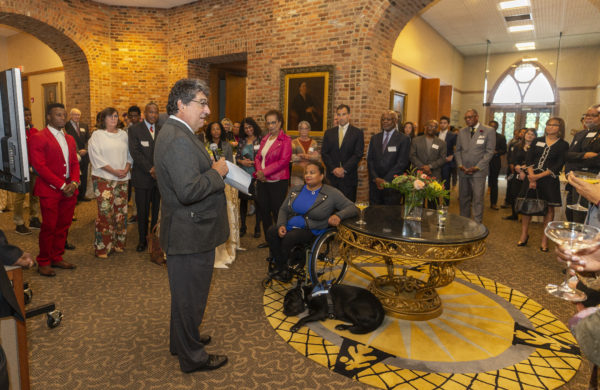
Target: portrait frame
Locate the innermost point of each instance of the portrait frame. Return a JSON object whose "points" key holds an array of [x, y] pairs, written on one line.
{"points": [[52, 93], [319, 83], [398, 103]]}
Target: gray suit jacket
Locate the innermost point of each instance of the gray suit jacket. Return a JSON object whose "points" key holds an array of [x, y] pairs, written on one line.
{"points": [[435, 156], [329, 201], [193, 207], [475, 151]]}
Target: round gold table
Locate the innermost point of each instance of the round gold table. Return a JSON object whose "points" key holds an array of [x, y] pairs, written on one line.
{"points": [[408, 244]]}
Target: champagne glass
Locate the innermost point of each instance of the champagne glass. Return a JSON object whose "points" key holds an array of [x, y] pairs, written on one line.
{"points": [[361, 206], [586, 176], [573, 236]]}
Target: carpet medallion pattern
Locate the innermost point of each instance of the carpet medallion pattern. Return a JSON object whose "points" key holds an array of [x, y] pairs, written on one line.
{"points": [[488, 336]]}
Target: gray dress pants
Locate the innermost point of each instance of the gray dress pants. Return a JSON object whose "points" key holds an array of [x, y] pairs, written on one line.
{"points": [[471, 192]]}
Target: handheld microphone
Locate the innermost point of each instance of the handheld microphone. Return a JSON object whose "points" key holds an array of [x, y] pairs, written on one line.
{"points": [[214, 147]]}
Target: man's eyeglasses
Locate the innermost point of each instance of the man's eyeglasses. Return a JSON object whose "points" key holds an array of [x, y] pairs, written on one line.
{"points": [[201, 102], [272, 123], [586, 115]]}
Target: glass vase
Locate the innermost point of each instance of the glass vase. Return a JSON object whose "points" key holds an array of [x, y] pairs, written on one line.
{"points": [[413, 208]]}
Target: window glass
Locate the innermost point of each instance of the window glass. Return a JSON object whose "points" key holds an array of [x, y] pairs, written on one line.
{"points": [[525, 72], [540, 91], [508, 92]]}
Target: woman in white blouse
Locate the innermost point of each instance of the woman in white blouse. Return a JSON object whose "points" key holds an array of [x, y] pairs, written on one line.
{"points": [[109, 154]]}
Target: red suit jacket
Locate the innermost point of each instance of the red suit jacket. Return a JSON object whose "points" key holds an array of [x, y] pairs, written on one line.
{"points": [[46, 157]]}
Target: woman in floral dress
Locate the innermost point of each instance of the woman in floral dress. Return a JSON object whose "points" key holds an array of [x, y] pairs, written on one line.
{"points": [[111, 162]]}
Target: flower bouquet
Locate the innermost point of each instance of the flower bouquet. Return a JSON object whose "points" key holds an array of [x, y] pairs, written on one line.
{"points": [[417, 187]]}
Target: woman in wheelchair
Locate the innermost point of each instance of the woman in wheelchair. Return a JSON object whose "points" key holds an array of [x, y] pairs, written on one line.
{"points": [[307, 211]]}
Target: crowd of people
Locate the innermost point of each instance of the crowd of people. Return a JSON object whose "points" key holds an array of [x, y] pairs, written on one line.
{"points": [[175, 164]]}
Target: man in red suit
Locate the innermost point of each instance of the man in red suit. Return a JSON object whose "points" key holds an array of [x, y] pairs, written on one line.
{"points": [[53, 154]]}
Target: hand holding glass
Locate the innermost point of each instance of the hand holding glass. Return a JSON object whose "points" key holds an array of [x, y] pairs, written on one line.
{"points": [[574, 237], [589, 177]]}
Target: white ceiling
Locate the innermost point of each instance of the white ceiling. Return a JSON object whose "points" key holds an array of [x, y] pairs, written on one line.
{"points": [[146, 3], [467, 24]]}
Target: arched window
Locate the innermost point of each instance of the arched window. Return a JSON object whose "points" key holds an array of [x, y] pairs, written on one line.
{"points": [[523, 96], [525, 83]]}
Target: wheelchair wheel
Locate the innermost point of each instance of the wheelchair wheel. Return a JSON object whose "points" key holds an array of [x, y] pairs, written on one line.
{"points": [[326, 265]]}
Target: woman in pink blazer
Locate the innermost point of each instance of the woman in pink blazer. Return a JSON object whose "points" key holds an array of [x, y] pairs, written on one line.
{"points": [[272, 164]]}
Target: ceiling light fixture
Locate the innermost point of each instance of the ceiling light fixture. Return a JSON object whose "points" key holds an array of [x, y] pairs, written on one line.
{"points": [[525, 45], [531, 59], [514, 4], [523, 27]]}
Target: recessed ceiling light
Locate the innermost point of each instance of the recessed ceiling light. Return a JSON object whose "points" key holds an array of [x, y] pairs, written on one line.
{"points": [[529, 59], [514, 4], [524, 27], [525, 45]]}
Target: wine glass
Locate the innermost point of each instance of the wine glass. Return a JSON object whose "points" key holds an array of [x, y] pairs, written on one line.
{"points": [[586, 176], [361, 206], [573, 236]]}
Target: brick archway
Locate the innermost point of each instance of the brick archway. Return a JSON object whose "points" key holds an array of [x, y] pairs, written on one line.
{"points": [[75, 63]]}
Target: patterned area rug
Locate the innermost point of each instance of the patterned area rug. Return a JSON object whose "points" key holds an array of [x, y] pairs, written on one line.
{"points": [[488, 336]]}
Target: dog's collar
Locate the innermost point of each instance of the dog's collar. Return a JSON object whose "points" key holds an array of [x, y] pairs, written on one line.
{"points": [[319, 289]]}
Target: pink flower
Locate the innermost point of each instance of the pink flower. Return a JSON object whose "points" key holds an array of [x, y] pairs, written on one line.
{"points": [[418, 184], [424, 176]]}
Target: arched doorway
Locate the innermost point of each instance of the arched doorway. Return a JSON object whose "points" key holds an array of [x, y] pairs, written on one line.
{"points": [[75, 63]]}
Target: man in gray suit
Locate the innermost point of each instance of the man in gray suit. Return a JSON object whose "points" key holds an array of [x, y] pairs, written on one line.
{"points": [[193, 219], [474, 149]]}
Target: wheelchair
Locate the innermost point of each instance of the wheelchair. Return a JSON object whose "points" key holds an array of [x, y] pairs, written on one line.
{"points": [[317, 262]]}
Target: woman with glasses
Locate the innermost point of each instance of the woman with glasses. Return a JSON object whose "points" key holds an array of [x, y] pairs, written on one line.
{"points": [[272, 164], [304, 150], [545, 159], [111, 162]]}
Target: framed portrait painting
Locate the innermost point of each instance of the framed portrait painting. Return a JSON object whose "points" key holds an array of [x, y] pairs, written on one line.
{"points": [[306, 96], [398, 103], [52, 93]]}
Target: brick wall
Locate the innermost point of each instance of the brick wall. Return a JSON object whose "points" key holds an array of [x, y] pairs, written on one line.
{"points": [[119, 56]]}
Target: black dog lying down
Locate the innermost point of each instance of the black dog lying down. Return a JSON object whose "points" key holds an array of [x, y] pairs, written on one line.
{"points": [[346, 303]]}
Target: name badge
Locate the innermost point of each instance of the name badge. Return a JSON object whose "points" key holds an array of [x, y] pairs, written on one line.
{"points": [[590, 135], [540, 144], [256, 147], [145, 143], [82, 129], [310, 150], [391, 149], [481, 136], [480, 141], [435, 146]]}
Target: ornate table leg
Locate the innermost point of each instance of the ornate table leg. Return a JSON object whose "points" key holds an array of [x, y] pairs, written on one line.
{"points": [[441, 273]]}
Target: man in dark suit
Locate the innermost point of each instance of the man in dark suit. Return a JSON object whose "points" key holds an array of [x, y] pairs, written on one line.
{"points": [[143, 174], [495, 164], [450, 139], [53, 155], [343, 147], [193, 219], [475, 146], [387, 157], [80, 132], [583, 155]]}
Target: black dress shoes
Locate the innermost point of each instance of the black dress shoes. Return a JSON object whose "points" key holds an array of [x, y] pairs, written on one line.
{"points": [[214, 362], [257, 234], [263, 245], [69, 246], [141, 247], [511, 217]]}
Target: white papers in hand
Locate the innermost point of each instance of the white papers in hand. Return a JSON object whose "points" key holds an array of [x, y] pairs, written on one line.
{"points": [[238, 178]]}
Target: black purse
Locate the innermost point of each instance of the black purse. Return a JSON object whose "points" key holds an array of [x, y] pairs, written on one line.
{"points": [[531, 206]]}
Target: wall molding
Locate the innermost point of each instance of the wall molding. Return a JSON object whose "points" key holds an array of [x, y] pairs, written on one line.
{"points": [[43, 71]]}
